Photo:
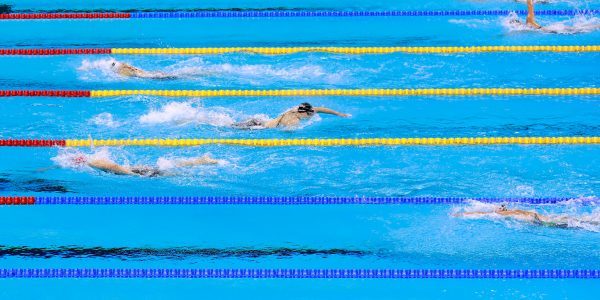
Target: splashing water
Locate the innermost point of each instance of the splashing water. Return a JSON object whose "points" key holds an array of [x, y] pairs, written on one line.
{"points": [[578, 24], [570, 214], [75, 159], [98, 70], [182, 113], [196, 68], [105, 119]]}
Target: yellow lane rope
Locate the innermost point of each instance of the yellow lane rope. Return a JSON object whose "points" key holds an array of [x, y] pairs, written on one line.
{"points": [[351, 92], [355, 50], [591, 140]]}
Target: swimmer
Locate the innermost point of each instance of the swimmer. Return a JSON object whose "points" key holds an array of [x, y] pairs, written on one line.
{"points": [[127, 70], [531, 217], [109, 166], [531, 23], [290, 118]]}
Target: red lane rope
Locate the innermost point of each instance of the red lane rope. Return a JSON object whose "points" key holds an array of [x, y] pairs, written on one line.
{"points": [[7, 200], [41, 51], [31, 143], [44, 93], [29, 16]]}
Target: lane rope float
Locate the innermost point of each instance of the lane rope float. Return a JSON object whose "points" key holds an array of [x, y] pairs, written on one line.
{"points": [[300, 273], [307, 92], [280, 14], [293, 50], [310, 142], [272, 200]]}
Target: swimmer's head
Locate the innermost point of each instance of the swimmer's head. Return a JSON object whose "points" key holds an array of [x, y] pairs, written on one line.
{"points": [[306, 108], [515, 21], [502, 208]]}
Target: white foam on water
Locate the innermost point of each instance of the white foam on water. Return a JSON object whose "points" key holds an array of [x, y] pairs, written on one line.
{"points": [[471, 23], [169, 162], [182, 113], [571, 215], [104, 119], [196, 66], [577, 24], [71, 157], [99, 69]]}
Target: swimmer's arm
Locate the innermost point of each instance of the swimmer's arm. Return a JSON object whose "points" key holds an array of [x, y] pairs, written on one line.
{"points": [[273, 123], [204, 160], [326, 110], [110, 167], [531, 15]]}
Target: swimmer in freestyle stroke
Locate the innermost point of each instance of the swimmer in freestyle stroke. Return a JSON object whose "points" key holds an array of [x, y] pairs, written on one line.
{"points": [[128, 70], [530, 22], [290, 118], [109, 166], [531, 217]]}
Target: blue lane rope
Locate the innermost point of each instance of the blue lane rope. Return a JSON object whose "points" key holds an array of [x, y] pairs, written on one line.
{"points": [[401, 13], [295, 273], [285, 200]]}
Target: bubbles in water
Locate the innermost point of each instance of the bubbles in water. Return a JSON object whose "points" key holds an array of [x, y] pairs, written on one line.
{"points": [[104, 119], [181, 113], [525, 191]]}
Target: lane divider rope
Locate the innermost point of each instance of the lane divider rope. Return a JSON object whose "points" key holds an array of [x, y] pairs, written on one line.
{"points": [[299, 273], [307, 92], [312, 142], [293, 50], [281, 14], [271, 200]]}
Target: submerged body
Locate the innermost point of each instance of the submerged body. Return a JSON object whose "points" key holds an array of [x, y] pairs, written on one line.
{"points": [[289, 119], [127, 70], [109, 166], [531, 217]]}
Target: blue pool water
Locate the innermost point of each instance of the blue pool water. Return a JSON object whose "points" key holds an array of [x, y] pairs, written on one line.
{"points": [[337, 237]]}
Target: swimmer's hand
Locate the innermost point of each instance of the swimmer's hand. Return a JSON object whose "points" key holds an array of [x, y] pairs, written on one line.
{"points": [[533, 24], [345, 115]]}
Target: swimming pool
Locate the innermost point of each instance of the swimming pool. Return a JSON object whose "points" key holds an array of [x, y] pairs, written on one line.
{"points": [[324, 237]]}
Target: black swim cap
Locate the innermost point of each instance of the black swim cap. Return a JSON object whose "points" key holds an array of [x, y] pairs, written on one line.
{"points": [[305, 107]]}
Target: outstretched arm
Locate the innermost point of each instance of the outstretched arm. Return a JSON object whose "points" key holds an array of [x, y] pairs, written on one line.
{"points": [[326, 110], [531, 15], [203, 160], [109, 167]]}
